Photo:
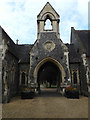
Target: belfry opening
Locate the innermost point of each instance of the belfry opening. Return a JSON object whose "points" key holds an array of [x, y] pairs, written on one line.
{"points": [[49, 75]]}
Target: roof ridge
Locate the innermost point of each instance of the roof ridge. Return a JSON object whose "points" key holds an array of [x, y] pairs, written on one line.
{"points": [[24, 44], [82, 30]]}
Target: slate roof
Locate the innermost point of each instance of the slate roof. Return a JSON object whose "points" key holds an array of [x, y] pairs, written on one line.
{"points": [[74, 57], [23, 52], [10, 43], [84, 36]]}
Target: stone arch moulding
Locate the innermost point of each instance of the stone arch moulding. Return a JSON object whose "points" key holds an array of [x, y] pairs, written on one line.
{"points": [[51, 16], [44, 61]]}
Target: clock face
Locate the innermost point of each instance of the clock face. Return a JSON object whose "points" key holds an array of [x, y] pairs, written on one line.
{"points": [[49, 46]]}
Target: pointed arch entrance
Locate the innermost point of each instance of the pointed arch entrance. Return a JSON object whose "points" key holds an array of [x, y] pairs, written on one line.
{"points": [[50, 70], [49, 73]]}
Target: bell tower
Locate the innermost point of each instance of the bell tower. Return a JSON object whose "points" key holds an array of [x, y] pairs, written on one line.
{"points": [[48, 14], [48, 48]]}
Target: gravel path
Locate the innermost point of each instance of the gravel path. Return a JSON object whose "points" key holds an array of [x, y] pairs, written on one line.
{"points": [[47, 105]]}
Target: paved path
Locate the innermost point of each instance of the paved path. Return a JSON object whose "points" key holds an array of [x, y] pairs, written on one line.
{"points": [[47, 105]]}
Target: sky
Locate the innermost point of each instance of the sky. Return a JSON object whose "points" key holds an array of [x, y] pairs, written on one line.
{"points": [[19, 18]]}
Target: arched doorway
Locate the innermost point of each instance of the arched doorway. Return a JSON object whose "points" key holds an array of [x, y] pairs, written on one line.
{"points": [[49, 73], [42, 62], [51, 70]]}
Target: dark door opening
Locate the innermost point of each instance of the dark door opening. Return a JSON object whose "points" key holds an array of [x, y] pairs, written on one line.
{"points": [[75, 77], [23, 78], [49, 75]]}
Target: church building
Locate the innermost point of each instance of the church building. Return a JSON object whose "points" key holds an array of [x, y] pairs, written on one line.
{"points": [[47, 60]]}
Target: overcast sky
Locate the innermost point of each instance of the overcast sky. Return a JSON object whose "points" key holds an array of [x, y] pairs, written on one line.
{"points": [[19, 17]]}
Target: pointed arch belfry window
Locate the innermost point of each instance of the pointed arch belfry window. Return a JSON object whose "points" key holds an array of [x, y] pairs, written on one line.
{"points": [[48, 24], [48, 20]]}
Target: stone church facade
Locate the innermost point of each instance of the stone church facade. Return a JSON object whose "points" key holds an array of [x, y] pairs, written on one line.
{"points": [[47, 59]]}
